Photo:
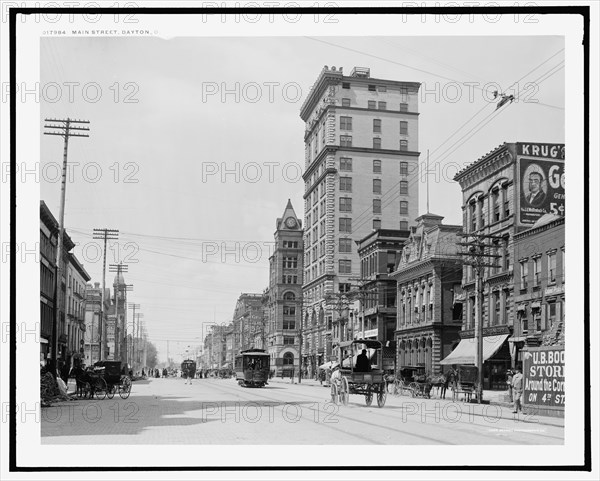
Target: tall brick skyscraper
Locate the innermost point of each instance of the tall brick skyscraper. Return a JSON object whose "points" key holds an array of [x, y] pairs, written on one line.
{"points": [[361, 159]]}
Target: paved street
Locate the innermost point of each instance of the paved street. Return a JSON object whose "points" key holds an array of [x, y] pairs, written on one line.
{"points": [[218, 411]]}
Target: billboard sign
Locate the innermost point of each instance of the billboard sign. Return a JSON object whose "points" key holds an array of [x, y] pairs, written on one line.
{"points": [[541, 182], [543, 376]]}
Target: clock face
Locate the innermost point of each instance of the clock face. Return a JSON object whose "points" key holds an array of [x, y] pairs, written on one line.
{"points": [[290, 222]]}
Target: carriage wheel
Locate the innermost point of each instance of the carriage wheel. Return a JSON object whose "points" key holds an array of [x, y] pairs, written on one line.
{"points": [[125, 387], [344, 392], [110, 393], [100, 389], [335, 394], [381, 396], [414, 389], [369, 395]]}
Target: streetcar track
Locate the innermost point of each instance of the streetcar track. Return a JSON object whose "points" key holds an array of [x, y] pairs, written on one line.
{"points": [[389, 414], [362, 437]]}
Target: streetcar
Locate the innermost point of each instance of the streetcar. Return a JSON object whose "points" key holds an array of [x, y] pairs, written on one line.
{"points": [[188, 369], [252, 368]]}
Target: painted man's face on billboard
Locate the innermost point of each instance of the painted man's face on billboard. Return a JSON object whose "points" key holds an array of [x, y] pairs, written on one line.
{"points": [[535, 182]]}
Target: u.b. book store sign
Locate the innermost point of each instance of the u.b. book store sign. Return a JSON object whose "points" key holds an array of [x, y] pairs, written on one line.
{"points": [[544, 378]]}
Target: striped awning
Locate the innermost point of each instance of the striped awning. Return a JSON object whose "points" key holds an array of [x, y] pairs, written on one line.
{"points": [[465, 352]]}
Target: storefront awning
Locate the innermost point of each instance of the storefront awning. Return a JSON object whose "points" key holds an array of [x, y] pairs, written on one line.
{"points": [[465, 352]]}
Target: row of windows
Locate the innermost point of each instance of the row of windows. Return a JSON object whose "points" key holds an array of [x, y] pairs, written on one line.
{"points": [[375, 105], [46, 281], [346, 205], [346, 124], [499, 207], [290, 262], [346, 166], [536, 264], [345, 224], [47, 248], [346, 141], [541, 318], [379, 88], [498, 306]]}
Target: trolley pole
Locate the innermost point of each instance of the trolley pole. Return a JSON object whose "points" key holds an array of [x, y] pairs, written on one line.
{"points": [[64, 129]]}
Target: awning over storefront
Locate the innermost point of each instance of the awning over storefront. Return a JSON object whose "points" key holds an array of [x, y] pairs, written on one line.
{"points": [[465, 351]]}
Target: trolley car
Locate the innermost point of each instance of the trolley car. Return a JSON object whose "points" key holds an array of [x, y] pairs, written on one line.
{"points": [[252, 368], [188, 369]]}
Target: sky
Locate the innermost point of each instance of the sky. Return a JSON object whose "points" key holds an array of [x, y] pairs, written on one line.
{"points": [[196, 145]]}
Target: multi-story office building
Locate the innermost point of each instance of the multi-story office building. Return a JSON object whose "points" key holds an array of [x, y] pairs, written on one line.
{"points": [[283, 306], [504, 193], [361, 159]]}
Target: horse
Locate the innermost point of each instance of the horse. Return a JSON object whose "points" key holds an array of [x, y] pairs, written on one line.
{"points": [[438, 381]]}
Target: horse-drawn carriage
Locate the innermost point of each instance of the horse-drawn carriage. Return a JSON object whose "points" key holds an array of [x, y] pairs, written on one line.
{"points": [[358, 376], [103, 380], [414, 380], [465, 382]]}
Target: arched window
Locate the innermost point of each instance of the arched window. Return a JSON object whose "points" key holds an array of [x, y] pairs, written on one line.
{"points": [[289, 296], [288, 359]]}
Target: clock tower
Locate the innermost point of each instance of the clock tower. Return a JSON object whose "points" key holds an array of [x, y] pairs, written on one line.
{"points": [[284, 304]]}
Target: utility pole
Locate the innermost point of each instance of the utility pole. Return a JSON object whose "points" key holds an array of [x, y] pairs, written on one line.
{"points": [[300, 303], [137, 342], [64, 129], [130, 351], [477, 254], [103, 234]]}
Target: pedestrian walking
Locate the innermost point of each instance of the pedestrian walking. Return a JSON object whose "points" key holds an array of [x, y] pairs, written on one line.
{"points": [[444, 387], [509, 381], [517, 385], [64, 372]]}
